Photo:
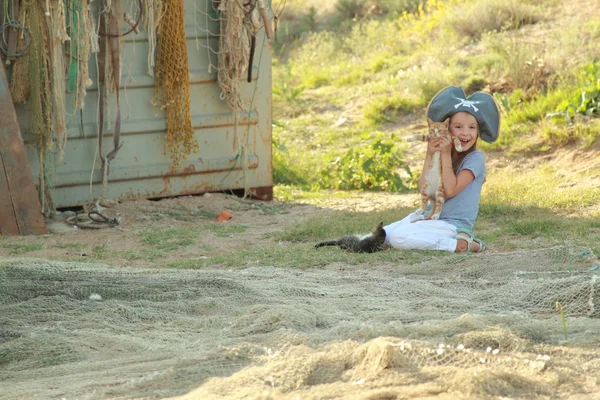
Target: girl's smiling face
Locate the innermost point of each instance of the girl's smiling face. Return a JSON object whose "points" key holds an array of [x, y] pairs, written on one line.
{"points": [[464, 126]]}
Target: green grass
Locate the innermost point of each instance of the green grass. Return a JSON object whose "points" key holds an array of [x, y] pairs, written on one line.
{"points": [[169, 239], [17, 248], [287, 193], [69, 246], [296, 245], [302, 256], [504, 227], [98, 253], [386, 109], [543, 187], [337, 224], [141, 254], [227, 229]]}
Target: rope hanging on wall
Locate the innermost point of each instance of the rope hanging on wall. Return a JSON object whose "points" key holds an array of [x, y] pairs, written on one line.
{"points": [[57, 31], [109, 81], [234, 51], [83, 42], [40, 99], [19, 85], [154, 12], [172, 85]]}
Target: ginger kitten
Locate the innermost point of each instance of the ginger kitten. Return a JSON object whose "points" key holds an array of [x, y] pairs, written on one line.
{"points": [[432, 189]]}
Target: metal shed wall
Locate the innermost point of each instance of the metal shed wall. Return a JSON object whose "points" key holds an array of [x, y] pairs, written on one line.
{"points": [[142, 167]]}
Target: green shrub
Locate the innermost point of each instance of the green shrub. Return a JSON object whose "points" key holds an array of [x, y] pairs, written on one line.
{"points": [[354, 77], [583, 100], [376, 166], [379, 63], [283, 171]]}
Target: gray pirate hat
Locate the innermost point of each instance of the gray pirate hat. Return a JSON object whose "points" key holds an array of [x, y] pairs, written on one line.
{"points": [[482, 106]]}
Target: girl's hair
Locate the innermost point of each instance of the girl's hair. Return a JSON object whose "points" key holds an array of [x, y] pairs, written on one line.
{"points": [[457, 158]]}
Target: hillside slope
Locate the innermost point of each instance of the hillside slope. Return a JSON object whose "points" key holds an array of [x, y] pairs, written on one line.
{"points": [[336, 93]]}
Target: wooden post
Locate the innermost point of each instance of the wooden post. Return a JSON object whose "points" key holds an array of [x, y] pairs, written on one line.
{"points": [[20, 210]]}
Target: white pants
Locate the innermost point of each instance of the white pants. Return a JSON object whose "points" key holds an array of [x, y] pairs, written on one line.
{"points": [[421, 235]]}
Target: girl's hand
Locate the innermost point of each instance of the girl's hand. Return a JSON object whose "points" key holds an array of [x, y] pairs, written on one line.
{"points": [[442, 144], [446, 144], [432, 145]]}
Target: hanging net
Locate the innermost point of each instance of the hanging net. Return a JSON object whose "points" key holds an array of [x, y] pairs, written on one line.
{"points": [[239, 24], [468, 325], [234, 50], [173, 84]]}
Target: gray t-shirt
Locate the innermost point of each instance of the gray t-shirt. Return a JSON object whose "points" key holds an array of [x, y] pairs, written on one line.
{"points": [[461, 210]]}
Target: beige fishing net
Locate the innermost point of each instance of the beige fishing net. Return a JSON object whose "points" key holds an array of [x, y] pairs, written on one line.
{"points": [[57, 36], [234, 51], [152, 15], [83, 42], [238, 24], [173, 84], [40, 91], [460, 326]]}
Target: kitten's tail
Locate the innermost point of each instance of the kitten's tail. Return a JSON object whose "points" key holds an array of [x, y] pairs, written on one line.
{"points": [[326, 243], [417, 138]]}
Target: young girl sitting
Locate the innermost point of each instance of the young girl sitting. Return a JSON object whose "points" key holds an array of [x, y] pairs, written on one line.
{"points": [[463, 174]]}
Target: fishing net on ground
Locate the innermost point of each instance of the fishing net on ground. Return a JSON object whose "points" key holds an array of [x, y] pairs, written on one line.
{"points": [[480, 325]]}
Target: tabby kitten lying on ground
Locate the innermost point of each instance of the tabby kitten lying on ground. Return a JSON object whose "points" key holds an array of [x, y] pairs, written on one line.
{"points": [[369, 243], [432, 189]]}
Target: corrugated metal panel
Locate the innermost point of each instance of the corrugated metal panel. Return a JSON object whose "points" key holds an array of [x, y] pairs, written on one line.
{"points": [[143, 167]]}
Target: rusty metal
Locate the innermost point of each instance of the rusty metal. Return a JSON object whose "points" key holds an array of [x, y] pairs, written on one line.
{"points": [[20, 209]]}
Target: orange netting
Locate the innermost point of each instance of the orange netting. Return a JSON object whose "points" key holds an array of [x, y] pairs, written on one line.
{"points": [[172, 89]]}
